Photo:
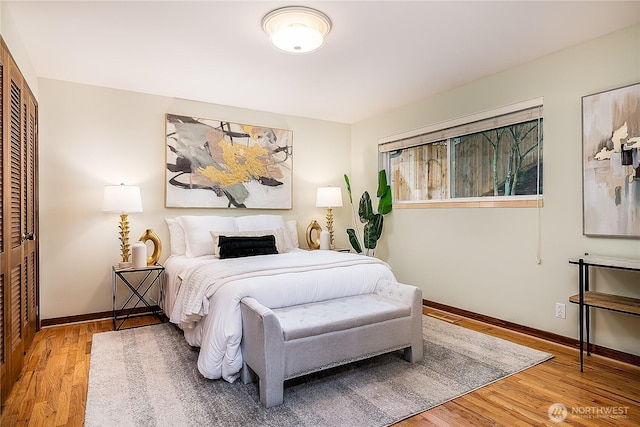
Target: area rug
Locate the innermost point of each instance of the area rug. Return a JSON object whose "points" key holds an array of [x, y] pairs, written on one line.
{"points": [[148, 377]]}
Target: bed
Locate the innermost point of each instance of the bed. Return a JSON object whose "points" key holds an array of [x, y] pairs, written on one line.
{"points": [[203, 286]]}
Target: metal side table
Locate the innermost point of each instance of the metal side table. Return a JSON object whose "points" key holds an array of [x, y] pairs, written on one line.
{"points": [[138, 281]]}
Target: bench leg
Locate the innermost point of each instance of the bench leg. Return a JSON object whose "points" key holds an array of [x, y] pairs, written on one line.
{"points": [[247, 376], [414, 353], [408, 354], [271, 393]]}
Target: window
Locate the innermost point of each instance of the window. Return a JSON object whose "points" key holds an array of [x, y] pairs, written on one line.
{"points": [[494, 156]]}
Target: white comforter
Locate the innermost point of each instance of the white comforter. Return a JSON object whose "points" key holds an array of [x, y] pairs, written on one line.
{"points": [[207, 305]]}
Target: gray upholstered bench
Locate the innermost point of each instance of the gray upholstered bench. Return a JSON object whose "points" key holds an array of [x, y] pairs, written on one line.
{"points": [[289, 342]]}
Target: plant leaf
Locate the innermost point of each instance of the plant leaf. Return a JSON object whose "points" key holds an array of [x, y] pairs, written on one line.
{"points": [[372, 231], [382, 183], [346, 180], [353, 239], [365, 210], [385, 204]]}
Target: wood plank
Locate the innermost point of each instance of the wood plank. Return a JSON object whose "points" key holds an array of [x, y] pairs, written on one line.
{"points": [[444, 317], [608, 262], [609, 302], [475, 203]]}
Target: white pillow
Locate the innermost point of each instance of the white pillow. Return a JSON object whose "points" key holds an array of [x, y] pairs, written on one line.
{"points": [[197, 232], [278, 233], [176, 237], [292, 230], [264, 222]]}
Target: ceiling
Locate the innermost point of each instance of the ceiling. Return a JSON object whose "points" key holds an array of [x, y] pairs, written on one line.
{"points": [[379, 55]]}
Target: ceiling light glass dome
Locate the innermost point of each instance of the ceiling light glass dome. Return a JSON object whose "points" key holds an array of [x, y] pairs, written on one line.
{"points": [[296, 29]]}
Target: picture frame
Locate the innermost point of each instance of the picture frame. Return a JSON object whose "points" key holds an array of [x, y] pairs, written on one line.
{"points": [[219, 164], [610, 159]]}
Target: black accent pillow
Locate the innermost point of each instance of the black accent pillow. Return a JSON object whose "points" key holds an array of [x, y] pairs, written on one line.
{"points": [[243, 246]]}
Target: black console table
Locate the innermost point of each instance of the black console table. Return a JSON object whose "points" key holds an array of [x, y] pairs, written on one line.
{"points": [[587, 298]]}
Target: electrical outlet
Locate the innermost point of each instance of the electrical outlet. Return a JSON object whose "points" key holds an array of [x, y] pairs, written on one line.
{"points": [[560, 311]]}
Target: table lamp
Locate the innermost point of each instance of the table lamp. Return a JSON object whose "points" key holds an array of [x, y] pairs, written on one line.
{"points": [[329, 197], [123, 199]]}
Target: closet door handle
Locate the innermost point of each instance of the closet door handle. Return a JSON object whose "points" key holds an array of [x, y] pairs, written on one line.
{"points": [[30, 236]]}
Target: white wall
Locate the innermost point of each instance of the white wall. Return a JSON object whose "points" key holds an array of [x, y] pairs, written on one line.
{"points": [[483, 259], [92, 136], [13, 41]]}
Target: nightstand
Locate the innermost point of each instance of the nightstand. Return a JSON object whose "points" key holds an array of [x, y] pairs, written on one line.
{"points": [[138, 282]]}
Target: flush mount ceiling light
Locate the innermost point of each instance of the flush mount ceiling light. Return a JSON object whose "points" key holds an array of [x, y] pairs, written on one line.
{"points": [[296, 29]]}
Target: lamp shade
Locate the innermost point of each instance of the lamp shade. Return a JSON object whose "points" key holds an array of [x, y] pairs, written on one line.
{"points": [[329, 197], [122, 199]]}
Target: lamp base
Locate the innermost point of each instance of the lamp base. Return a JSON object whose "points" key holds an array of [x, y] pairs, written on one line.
{"points": [[123, 264], [330, 226]]}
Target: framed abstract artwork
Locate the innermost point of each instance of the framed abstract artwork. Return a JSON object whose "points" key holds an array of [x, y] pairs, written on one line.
{"points": [[610, 160], [218, 164]]}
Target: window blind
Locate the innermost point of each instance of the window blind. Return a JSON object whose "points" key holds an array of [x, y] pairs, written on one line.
{"points": [[523, 112]]}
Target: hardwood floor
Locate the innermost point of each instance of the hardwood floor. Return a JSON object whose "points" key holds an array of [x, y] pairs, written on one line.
{"points": [[606, 393], [53, 386]]}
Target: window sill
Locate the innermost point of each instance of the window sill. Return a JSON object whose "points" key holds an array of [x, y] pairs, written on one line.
{"points": [[475, 203]]}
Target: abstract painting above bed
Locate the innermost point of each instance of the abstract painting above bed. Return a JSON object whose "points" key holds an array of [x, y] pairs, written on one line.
{"points": [[218, 164]]}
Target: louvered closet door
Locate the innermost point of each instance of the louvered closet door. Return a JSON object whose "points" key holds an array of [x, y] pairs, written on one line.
{"points": [[4, 297], [16, 268], [20, 273], [28, 217]]}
